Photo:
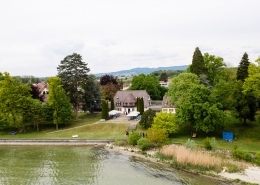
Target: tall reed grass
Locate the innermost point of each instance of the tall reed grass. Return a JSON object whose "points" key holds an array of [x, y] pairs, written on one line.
{"points": [[188, 157]]}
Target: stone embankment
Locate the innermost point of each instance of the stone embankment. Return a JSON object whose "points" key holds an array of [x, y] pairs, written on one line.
{"points": [[53, 142]]}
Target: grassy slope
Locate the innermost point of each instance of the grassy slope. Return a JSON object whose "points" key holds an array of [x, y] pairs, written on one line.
{"points": [[248, 137]]}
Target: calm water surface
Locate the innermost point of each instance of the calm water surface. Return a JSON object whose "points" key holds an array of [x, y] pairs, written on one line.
{"points": [[85, 165]]}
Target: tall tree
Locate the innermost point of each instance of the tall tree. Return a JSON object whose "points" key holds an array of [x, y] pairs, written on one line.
{"points": [[147, 118], [92, 97], [104, 110], [198, 65], [244, 104], [59, 102], [73, 73], [194, 104], [109, 86], [242, 71], [15, 101], [163, 77], [252, 83], [215, 68], [149, 83]]}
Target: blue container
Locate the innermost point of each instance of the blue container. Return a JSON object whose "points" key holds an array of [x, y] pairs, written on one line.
{"points": [[228, 136]]}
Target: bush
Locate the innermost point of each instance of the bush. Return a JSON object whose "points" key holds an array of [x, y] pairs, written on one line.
{"points": [[242, 155], [257, 158], [210, 143], [190, 144], [143, 144], [157, 136], [133, 138]]}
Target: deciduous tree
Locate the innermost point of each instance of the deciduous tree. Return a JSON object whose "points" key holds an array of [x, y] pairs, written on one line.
{"points": [[147, 118], [15, 100], [109, 86], [166, 121], [149, 83], [59, 102]]}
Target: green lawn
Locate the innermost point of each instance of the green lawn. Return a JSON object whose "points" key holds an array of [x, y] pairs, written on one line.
{"points": [[83, 127], [248, 137]]}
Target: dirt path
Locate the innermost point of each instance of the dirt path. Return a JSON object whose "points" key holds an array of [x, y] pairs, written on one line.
{"points": [[121, 119]]}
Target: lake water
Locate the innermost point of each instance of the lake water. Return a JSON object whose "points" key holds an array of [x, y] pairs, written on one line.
{"points": [[73, 165]]}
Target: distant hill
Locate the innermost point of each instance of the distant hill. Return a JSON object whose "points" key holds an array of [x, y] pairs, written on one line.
{"points": [[144, 70]]}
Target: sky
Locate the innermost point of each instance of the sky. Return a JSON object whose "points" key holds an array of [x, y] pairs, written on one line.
{"points": [[113, 35]]}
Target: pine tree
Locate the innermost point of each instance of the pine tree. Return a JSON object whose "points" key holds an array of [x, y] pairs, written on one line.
{"points": [[242, 71], [73, 73], [198, 65]]}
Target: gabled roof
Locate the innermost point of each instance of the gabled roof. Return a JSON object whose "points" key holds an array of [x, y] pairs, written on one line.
{"points": [[129, 99]]}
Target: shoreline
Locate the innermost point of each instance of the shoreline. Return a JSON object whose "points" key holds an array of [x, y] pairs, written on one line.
{"points": [[54, 142], [250, 175]]}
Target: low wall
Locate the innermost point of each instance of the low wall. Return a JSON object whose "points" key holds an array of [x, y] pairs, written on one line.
{"points": [[53, 142]]}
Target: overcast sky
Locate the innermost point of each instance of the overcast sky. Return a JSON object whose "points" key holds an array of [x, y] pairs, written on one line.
{"points": [[112, 35]]}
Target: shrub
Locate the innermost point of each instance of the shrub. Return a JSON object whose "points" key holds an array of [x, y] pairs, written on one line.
{"points": [[190, 144], [242, 154], [257, 158], [143, 144], [157, 136], [210, 143], [133, 138]]}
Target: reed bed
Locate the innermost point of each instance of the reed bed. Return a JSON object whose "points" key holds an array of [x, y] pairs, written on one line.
{"points": [[186, 156]]}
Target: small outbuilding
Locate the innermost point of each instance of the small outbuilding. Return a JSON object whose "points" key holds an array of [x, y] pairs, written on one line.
{"points": [[228, 136]]}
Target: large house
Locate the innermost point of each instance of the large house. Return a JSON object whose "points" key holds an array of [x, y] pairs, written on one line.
{"points": [[167, 106], [126, 101]]}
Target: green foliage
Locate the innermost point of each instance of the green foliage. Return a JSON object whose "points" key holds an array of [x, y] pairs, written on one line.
{"points": [[133, 138], [242, 71], [181, 86], [244, 104], [210, 143], [109, 86], [147, 118], [157, 136], [59, 102], [165, 121], [105, 110], [257, 158], [163, 77], [91, 94], [149, 83], [15, 101], [215, 68], [252, 82], [73, 73], [195, 105], [190, 144], [198, 65], [223, 93], [241, 154], [143, 144]]}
